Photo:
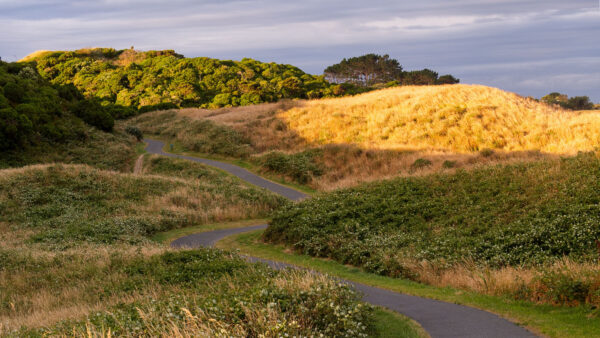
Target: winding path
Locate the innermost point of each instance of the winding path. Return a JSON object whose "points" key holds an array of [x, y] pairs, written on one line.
{"points": [[439, 319]]}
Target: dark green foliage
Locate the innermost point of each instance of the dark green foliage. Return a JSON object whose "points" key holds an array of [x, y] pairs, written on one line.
{"points": [[580, 103], [447, 79], [374, 70], [299, 166], [92, 112], [134, 131], [35, 113], [449, 164], [505, 215], [420, 163], [366, 70], [563, 100]]}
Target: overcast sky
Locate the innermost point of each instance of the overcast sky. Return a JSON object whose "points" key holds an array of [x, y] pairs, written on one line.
{"points": [[531, 47]]}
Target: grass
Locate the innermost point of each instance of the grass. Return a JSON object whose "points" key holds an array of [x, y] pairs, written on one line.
{"points": [[179, 148], [458, 118], [391, 324], [387, 323], [169, 236], [76, 259], [381, 134], [110, 151], [528, 231], [545, 319]]}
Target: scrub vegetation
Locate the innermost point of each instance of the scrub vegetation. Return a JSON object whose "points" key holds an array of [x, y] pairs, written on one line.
{"points": [[77, 259], [335, 143], [530, 231]]}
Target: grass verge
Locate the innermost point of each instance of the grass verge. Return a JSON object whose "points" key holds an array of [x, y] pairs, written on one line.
{"points": [[253, 168], [548, 320]]}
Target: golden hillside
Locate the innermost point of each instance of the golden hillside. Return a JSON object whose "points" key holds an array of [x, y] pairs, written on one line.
{"points": [[459, 118]]}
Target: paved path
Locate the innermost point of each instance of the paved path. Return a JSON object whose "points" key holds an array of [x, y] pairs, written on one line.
{"points": [[439, 319]]}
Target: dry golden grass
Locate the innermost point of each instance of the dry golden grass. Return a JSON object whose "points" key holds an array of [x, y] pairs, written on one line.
{"points": [[34, 55], [508, 280], [451, 118], [381, 134], [457, 118]]}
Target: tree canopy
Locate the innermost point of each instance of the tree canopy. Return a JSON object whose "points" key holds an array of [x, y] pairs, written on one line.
{"points": [[372, 69], [563, 100], [137, 79], [33, 111]]}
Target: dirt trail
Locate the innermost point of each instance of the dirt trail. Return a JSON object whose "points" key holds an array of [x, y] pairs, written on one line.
{"points": [[139, 165]]}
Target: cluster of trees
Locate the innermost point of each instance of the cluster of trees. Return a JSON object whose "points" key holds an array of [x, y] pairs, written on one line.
{"points": [[140, 79], [33, 110], [372, 69], [574, 103]]}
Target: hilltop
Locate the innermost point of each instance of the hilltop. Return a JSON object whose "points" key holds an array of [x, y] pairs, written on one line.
{"points": [[385, 133]]}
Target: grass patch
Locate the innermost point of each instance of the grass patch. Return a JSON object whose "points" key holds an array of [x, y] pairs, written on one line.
{"points": [[391, 324], [169, 236], [548, 320]]}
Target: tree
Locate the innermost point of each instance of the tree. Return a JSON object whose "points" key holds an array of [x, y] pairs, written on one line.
{"points": [[563, 100], [555, 98], [420, 77], [447, 79], [580, 103], [365, 70]]}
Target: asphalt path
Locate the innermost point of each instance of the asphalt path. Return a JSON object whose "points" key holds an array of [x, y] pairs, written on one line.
{"points": [[438, 318]]}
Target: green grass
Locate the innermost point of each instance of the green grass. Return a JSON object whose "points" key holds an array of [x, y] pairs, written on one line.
{"points": [[391, 324], [76, 257], [549, 320], [169, 236], [178, 148]]}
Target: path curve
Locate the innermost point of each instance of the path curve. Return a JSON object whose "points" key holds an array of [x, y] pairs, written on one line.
{"points": [[438, 318]]}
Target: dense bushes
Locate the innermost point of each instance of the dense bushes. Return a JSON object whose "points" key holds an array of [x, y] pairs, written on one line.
{"points": [[157, 80], [33, 111], [92, 112], [502, 216]]}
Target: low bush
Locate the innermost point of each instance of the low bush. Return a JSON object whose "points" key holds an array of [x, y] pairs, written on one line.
{"points": [[301, 167], [518, 215], [135, 132]]}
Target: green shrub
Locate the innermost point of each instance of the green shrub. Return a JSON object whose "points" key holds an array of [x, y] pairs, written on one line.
{"points": [[134, 131], [523, 214], [449, 164], [299, 166], [93, 113], [420, 163]]}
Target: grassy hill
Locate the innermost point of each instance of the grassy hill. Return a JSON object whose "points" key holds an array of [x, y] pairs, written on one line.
{"points": [[76, 259], [403, 131], [527, 230]]}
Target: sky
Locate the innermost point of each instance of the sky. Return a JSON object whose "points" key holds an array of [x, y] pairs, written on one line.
{"points": [[531, 47]]}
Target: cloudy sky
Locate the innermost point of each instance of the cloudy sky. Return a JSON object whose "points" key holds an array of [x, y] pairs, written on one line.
{"points": [[531, 47]]}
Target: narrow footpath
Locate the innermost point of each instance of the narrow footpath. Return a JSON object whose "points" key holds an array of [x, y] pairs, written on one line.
{"points": [[439, 319]]}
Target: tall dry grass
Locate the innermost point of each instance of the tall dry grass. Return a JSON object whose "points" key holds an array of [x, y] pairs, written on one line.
{"points": [[457, 118], [381, 134]]}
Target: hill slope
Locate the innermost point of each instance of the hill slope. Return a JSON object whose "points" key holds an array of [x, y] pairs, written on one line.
{"points": [[382, 134], [461, 118]]}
